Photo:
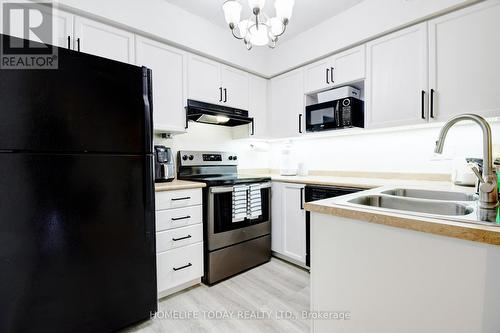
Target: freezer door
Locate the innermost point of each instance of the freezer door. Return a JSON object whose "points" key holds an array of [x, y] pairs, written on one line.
{"points": [[77, 242], [87, 104]]}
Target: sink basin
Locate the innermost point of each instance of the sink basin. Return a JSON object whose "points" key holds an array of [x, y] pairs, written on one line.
{"points": [[412, 205], [431, 195]]}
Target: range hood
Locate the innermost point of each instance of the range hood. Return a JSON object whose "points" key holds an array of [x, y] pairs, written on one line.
{"points": [[216, 114]]}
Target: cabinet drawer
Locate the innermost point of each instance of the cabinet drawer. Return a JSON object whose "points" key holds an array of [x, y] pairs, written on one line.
{"points": [[174, 238], [179, 217], [178, 198], [179, 266]]}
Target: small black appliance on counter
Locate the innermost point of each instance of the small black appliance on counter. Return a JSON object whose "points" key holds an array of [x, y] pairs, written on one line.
{"points": [[164, 164]]}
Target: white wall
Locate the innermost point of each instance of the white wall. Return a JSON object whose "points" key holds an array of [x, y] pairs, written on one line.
{"points": [[362, 22], [389, 151], [218, 138], [160, 19]]}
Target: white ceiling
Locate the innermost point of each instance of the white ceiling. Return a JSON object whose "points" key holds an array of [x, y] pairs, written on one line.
{"points": [[306, 13]]}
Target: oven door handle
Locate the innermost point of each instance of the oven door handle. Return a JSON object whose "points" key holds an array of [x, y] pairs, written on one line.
{"points": [[221, 189]]}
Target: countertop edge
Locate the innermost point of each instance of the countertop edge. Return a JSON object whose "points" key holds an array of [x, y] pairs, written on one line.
{"points": [[178, 185], [460, 230]]}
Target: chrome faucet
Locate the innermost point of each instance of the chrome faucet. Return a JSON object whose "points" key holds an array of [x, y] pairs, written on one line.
{"points": [[488, 188]]}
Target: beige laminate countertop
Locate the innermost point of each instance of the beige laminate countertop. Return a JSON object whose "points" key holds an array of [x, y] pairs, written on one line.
{"points": [[177, 185], [357, 182], [412, 221]]}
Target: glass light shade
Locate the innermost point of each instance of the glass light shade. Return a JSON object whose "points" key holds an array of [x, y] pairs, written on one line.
{"points": [[243, 27], [284, 8], [256, 4], [259, 36], [232, 11], [276, 26]]}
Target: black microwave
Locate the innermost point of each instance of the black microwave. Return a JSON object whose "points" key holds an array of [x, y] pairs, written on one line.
{"points": [[341, 113]]}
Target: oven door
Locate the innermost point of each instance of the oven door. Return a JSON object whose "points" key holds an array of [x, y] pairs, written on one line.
{"points": [[222, 231]]}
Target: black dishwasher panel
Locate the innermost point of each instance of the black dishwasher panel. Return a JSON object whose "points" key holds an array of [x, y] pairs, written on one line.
{"points": [[315, 193]]}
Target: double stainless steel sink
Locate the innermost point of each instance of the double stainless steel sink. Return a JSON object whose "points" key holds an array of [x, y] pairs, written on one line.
{"points": [[448, 205]]}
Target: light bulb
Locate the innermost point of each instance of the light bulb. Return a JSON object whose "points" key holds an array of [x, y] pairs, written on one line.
{"points": [[232, 12], [284, 9], [259, 34], [276, 26]]}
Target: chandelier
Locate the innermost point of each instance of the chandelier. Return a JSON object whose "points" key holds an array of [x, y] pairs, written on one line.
{"points": [[259, 29]]}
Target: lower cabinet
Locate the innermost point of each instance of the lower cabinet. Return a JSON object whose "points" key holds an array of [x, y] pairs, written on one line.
{"points": [[289, 222], [179, 240]]}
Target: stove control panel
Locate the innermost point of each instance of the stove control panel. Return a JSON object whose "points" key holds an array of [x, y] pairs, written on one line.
{"points": [[213, 157], [206, 158]]}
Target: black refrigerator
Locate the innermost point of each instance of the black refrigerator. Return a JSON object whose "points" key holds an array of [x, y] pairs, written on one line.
{"points": [[77, 223]]}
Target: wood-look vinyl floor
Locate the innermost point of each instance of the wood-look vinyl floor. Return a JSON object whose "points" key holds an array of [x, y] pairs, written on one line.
{"points": [[277, 292]]}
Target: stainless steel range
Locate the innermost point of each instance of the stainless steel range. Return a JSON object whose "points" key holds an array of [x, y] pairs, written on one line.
{"points": [[236, 213]]}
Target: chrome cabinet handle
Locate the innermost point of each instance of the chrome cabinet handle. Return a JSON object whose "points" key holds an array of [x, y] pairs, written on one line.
{"points": [[225, 95], [331, 74], [78, 44], [69, 43], [179, 239], [327, 75], [300, 123], [181, 218], [220, 94], [182, 267]]}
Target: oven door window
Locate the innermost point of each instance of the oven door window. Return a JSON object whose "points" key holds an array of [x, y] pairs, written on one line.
{"points": [[223, 212]]}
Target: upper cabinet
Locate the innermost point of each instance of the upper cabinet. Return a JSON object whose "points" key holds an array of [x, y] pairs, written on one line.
{"points": [[258, 106], [342, 68], [396, 80], [287, 104], [103, 40], [464, 61], [169, 83], [212, 82]]}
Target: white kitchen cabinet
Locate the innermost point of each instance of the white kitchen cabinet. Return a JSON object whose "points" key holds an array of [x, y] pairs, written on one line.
{"points": [[287, 104], [464, 61], [289, 222], [212, 82], [179, 240], [103, 40], [277, 217], [204, 80], [235, 85], [169, 83], [396, 80], [62, 27], [339, 69], [257, 109]]}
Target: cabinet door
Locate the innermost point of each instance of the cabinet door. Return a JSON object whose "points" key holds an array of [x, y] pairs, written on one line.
{"points": [[104, 40], [294, 222], [204, 82], [168, 65], [277, 217], [317, 76], [236, 87], [396, 77], [464, 61], [287, 104], [349, 66], [258, 106], [62, 27]]}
